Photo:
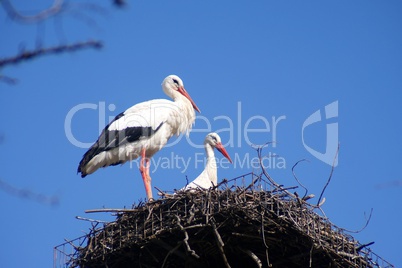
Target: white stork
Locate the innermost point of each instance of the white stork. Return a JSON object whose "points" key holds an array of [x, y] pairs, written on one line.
{"points": [[141, 131], [209, 177]]}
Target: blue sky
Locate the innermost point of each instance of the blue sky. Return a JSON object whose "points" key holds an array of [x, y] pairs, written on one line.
{"points": [[247, 66]]}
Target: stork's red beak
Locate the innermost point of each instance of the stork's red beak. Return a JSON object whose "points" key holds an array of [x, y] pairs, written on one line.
{"points": [[185, 94], [223, 151]]}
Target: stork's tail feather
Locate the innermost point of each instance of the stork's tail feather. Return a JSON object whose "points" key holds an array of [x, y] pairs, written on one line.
{"points": [[92, 152], [80, 169]]}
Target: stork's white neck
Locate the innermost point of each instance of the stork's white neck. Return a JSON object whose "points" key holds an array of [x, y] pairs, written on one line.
{"points": [[211, 167]]}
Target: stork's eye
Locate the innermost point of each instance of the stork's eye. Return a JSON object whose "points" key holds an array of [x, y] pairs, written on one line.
{"points": [[175, 81], [214, 138]]}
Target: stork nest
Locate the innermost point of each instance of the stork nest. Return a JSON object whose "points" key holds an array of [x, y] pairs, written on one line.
{"points": [[231, 227]]}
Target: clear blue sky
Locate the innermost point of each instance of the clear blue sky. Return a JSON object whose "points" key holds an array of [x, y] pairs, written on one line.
{"points": [[246, 64]]}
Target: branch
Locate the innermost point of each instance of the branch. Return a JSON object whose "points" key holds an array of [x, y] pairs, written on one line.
{"points": [[28, 55], [330, 175], [254, 257], [170, 252], [90, 220], [24, 193], [118, 210], [8, 80], [186, 237], [274, 183], [220, 243], [42, 15], [294, 175], [263, 239], [119, 3], [364, 227], [364, 245]]}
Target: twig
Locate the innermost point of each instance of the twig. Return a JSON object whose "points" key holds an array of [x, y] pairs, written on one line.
{"points": [[28, 55], [220, 244], [162, 193], [113, 210], [251, 184], [364, 227], [259, 153], [311, 255], [90, 220], [253, 257], [42, 15], [281, 189], [186, 237], [294, 175], [169, 253], [71, 244], [364, 245], [330, 175], [263, 238]]}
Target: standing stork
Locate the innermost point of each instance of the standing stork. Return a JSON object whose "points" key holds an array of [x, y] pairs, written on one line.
{"points": [[209, 177], [141, 131]]}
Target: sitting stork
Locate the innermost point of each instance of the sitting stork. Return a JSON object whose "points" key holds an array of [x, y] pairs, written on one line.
{"points": [[209, 177]]}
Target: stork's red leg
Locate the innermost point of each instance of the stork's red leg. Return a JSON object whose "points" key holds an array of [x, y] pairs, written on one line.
{"points": [[144, 169]]}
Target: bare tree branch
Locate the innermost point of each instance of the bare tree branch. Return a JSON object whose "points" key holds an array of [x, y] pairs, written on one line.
{"points": [[40, 16], [24, 193], [29, 55], [119, 3], [8, 80]]}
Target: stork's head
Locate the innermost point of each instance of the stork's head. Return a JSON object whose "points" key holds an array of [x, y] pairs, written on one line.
{"points": [[173, 85], [214, 140]]}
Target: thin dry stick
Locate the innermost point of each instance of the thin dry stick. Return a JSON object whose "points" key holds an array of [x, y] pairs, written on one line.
{"points": [[259, 152], [263, 238], [42, 15], [162, 193], [253, 257], [330, 175], [220, 244], [251, 184], [169, 253], [56, 9], [71, 244], [90, 220], [311, 255], [364, 245], [113, 210], [364, 227], [298, 181], [186, 237]]}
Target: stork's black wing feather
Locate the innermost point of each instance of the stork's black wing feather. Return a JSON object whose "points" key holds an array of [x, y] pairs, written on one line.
{"points": [[110, 139]]}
